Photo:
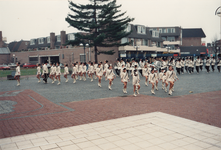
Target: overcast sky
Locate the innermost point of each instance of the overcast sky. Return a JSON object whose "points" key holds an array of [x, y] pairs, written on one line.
{"points": [[27, 19]]}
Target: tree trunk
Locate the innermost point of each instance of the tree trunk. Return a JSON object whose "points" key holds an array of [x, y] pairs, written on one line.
{"points": [[95, 54]]}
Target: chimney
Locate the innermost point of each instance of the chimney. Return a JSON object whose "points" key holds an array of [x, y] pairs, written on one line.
{"points": [[52, 40], [63, 38], [1, 42]]}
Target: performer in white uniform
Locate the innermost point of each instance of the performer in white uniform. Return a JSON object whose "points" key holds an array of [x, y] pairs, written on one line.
{"points": [[146, 73], [110, 76], [84, 70], [58, 73], [99, 73], [45, 70], [17, 73], [186, 64], [74, 72], [152, 80], [80, 73], [66, 72], [213, 63], [170, 78], [197, 64], [38, 72], [190, 65], [136, 80], [157, 78], [125, 79], [91, 71], [208, 64], [201, 64], [178, 66], [161, 77], [51, 72]]}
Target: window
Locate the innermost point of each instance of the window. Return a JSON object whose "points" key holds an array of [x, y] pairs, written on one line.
{"points": [[26, 43], [164, 30], [124, 40], [155, 34], [172, 47], [132, 41], [171, 39], [41, 41], [145, 42], [48, 39], [169, 30], [32, 42], [164, 38], [71, 36], [173, 30], [141, 29], [128, 29], [58, 38], [158, 44], [160, 30], [82, 57]]}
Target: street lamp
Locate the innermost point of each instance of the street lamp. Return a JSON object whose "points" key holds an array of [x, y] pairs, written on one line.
{"points": [[14, 58], [137, 47], [218, 13], [85, 45]]}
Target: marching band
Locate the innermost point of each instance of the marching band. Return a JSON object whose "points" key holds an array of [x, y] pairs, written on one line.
{"points": [[135, 69]]}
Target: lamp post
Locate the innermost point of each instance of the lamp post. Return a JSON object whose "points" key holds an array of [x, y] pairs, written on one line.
{"points": [[218, 13], [136, 47], [14, 58], [84, 45]]}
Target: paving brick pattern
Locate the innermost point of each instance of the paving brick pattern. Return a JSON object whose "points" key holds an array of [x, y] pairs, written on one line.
{"points": [[30, 116]]}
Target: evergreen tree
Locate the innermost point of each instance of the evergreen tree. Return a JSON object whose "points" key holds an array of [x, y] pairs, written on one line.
{"points": [[102, 21]]}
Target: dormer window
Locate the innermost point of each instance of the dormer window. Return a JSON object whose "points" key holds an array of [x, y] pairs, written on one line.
{"points": [[141, 29], [128, 28], [48, 39], [32, 42], [58, 38], [155, 34], [71, 37], [41, 41]]}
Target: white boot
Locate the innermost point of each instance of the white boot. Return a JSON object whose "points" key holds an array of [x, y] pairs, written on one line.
{"points": [[162, 86], [85, 79], [173, 89], [165, 90], [74, 81], [146, 84], [138, 92], [125, 90], [92, 79], [18, 83], [109, 87], [152, 91], [52, 82], [58, 83], [66, 80], [80, 78], [135, 94], [39, 81], [170, 92], [99, 84], [156, 87]]}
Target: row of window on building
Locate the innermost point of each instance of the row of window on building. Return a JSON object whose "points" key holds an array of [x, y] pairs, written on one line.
{"points": [[47, 40]]}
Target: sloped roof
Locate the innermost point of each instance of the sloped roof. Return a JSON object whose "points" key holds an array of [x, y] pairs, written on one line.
{"points": [[4, 50], [194, 32]]}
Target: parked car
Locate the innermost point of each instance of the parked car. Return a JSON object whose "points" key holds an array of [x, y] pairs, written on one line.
{"points": [[29, 65], [12, 65], [4, 67]]}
